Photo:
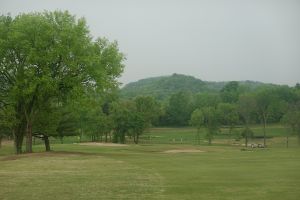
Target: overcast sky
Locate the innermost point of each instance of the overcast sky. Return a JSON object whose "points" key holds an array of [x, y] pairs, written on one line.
{"points": [[214, 40]]}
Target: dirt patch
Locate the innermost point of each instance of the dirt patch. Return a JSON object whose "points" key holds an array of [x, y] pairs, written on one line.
{"points": [[103, 144], [184, 151]]}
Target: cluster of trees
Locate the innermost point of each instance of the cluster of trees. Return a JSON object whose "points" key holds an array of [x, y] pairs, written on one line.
{"points": [[56, 80], [231, 107], [49, 64]]}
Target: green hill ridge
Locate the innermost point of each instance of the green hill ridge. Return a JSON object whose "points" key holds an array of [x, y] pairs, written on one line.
{"points": [[162, 87]]}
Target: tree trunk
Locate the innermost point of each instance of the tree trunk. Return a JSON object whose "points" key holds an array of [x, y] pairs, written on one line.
{"points": [[105, 137], [0, 141], [19, 130], [134, 139], [287, 141], [137, 138], [47, 143], [61, 140], [29, 138], [246, 141], [198, 136], [18, 137], [265, 124], [122, 138]]}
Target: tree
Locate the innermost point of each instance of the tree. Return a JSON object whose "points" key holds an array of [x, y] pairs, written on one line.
{"points": [[230, 92], [147, 112], [44, 57], [179, 109], [138, 125], [291, 119], [211, 122], [121, 116], [246, 109], [46, 123], [264, 99], [197, 120], [247, 133], [67, 125], [148, 109], [206, 99], [228, 115]]}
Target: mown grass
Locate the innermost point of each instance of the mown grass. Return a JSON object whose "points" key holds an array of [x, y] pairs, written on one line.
{"points": [[73, 171]]}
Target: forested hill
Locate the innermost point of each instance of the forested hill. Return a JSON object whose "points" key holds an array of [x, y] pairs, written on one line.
{"points": [[163, 86]]}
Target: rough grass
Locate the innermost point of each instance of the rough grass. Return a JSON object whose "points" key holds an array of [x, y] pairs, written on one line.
{"points": [[75, 176], [73, 171]]}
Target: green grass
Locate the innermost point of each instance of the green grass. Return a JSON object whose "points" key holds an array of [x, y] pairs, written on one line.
{"points": [[187, 135], [73, 171]]}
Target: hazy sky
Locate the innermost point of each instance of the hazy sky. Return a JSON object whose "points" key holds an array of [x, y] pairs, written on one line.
{"points": [[215, 40]]}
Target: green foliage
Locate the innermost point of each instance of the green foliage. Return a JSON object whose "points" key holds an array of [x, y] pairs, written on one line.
{"points": [[163, 87], [202, 100], [50, 57], [197, 119], [228, 114], [179, 109], [247, 108], [230, 92], [292, 119], [149, 108], [211, 122]]}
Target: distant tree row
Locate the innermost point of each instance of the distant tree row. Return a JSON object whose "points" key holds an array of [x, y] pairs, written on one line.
{"points": [[231, 107]]}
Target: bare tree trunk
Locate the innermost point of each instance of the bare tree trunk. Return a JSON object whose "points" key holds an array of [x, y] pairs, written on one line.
{"points": [[287, 141], [29, 138], [47, 143], [106, 137], [246, 141], [0, 141]]}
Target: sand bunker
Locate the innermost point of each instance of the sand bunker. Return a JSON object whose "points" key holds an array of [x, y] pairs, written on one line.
{"points": [[103, 144], [184, 151]]}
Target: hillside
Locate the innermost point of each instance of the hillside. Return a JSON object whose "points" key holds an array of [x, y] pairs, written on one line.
{"points": [[163, 86]]}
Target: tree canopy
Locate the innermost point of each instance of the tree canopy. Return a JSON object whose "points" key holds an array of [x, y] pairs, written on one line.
{"points": [[46, 58]]}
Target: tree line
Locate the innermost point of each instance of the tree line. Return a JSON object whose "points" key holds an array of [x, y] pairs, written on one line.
{"points": [[56, 81], [232, 107]]}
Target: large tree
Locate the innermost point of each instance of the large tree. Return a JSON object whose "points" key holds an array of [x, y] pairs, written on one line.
{"points": [[45, 57]]}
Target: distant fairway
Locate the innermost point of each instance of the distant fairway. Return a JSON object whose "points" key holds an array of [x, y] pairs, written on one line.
{"points": [[74, 171]]}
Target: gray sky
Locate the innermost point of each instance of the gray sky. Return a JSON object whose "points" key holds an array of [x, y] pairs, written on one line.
{"points": [[215, 40]]}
